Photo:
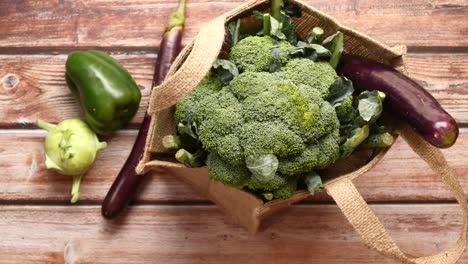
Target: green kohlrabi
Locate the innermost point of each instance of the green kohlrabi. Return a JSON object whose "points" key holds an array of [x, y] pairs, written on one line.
{"points": [[71, 148]]}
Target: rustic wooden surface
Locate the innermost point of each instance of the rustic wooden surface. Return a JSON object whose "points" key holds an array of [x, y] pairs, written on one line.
{"points": [[168, 222]]}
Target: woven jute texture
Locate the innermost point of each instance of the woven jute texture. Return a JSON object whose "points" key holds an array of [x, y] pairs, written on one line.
{"points": [[196, 60]]}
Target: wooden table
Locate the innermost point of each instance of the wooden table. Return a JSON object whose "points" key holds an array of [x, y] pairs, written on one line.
{"points": [[169, 222]]}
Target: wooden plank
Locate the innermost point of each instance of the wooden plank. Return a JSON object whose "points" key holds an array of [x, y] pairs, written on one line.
{"points": [[400, 176], [445, 76], [137, 23], [33, 86], [202, 234]]}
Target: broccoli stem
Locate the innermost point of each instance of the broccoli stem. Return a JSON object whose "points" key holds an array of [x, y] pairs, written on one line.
{"points": [[276, 6], [183, 155], [382, 140], [266, 25], [190, 160], [171, 142], [316, 35], [75, 192], [186, 130], [358, 136], [235, 37], [268, 196], [382, 96], [337, 50]]}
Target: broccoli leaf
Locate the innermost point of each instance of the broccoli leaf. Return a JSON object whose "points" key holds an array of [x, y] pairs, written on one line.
{"points": [[339, 90], [258, 15], [276, 29], [370, 105], [287, 28], [313, 182], [292, 10], [356, 137], [335, 43], [381, 140], [234, 31], [310, 51], [282, 29], [190, 160], [275, 59], [226, 70], [262, 166], [188, 128]]}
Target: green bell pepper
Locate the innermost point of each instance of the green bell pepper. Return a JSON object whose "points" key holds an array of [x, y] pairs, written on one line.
{"points": [[108, 95]]}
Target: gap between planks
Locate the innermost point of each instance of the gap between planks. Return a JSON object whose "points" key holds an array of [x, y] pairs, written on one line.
{"points": [[152, 51]]}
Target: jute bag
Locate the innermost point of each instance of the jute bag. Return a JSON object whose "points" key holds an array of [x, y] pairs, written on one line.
{"points": [[196, 60]]}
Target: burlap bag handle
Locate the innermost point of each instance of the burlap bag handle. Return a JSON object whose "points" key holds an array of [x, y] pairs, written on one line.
{"points": [[372, 230]]}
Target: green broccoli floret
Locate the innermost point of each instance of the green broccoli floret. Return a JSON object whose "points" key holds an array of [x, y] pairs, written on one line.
{"points": [[232, 175], [329, 149], [252, 83], [253, 53], [286, 102], [208, 86], [270, 138], [269, 184], [315, 156], [220, 119], [345, 110], [287, 190], [317, 75]]}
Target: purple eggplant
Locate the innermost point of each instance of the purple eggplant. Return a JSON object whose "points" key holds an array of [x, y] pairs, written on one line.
{"points": [[126, 184], [405, 97]]}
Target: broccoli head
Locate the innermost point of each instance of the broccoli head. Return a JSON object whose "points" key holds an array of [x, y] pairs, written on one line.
{"points": [[283, 115], [253, 53], [317, 75], [262, 113]]}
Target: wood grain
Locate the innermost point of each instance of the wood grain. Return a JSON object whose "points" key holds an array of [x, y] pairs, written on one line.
{"points": [[201, 234], [33, 86], [53, 25], [400, 176]]}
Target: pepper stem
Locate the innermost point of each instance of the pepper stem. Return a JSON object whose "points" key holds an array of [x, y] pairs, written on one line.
{"points": [[44, 125], [176, 19], [75, 192]]}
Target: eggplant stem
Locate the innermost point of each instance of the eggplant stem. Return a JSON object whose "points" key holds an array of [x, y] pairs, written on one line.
{"points": [[176, 19], [75, 192]]}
